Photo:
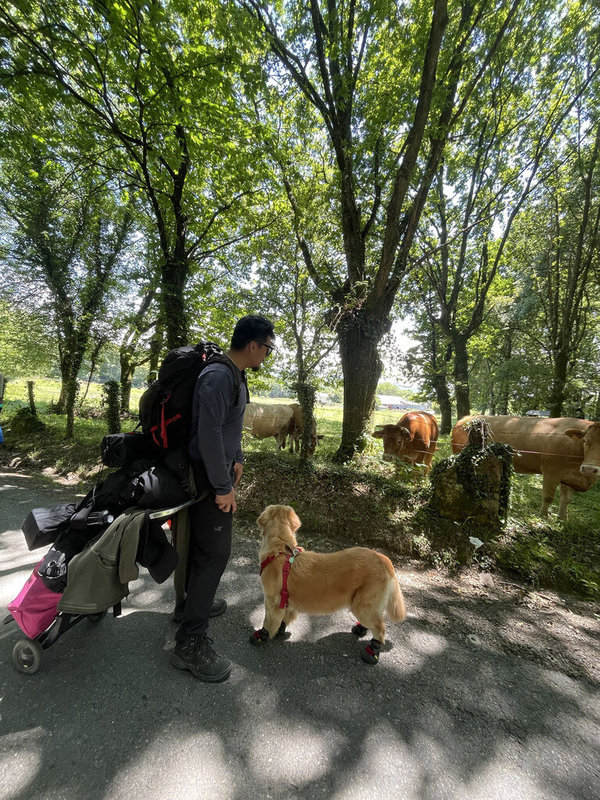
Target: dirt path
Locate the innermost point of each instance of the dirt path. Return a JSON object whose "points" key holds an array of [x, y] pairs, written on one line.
{"points": [[486, 690], [553, 630]]}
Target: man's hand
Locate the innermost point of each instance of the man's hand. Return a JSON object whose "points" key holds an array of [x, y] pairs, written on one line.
{"points": [[226, 502], [238, 469]]}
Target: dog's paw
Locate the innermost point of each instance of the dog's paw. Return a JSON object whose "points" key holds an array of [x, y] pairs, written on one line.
{"points": [[359, 630], [259, 637], [282, 633], [370, 655]]}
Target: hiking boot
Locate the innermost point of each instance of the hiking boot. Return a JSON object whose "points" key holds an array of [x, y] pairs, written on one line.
{"points": [[198, 656], [218, 607]]}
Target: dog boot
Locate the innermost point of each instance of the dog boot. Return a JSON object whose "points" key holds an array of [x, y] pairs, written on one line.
{"points": [[281, 633], [259, 637], [370, 655], [359, 630]]}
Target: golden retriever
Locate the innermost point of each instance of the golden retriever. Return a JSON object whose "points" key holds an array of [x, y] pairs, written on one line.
{"points": [[359, 579]]}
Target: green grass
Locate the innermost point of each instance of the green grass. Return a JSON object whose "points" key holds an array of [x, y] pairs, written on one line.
{"points": [[368, 502], [47, 391]]}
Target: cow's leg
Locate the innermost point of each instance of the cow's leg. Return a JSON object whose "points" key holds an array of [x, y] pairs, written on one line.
{"points": [[549, 485], [566, 494]]}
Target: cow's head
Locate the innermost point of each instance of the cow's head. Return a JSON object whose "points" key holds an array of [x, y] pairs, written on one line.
{"points": [[590, 439], [395, 438], [314, 441]]}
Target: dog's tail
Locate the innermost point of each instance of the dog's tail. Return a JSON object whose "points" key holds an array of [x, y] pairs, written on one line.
{"points": [[395, 608]]}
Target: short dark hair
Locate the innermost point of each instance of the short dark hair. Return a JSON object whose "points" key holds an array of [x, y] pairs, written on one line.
{"points": [[252, 328]]}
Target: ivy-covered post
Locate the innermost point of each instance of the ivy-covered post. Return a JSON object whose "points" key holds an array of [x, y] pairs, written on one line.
{"points": [[475, 484], [111, 399], [31, 397]]}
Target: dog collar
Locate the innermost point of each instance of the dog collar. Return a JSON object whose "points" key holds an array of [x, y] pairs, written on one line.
{"points": [[268, 559]]}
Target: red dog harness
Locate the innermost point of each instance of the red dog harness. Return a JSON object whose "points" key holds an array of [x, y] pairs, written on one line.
{"points": [[289, 557]]}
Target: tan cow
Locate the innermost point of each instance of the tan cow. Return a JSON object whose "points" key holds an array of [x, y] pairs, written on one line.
{"points": [[564, 450], [412, 439], [263, 420], [295, 431]]}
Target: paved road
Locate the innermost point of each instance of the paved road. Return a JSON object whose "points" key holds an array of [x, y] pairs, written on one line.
{"points": [[107, 717]]}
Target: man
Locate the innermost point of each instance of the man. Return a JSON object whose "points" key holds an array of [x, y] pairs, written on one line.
{"points": [[216, 456]]}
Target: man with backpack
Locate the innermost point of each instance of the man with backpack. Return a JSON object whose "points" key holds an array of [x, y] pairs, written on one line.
{"points": [[219, 403]]}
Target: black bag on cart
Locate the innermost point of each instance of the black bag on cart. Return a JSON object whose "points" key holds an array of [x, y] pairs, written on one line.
{"points": [[42, 525], [123, 449]]}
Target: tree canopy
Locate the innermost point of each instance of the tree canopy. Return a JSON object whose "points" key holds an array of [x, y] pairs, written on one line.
{"points": [[330, 164]]}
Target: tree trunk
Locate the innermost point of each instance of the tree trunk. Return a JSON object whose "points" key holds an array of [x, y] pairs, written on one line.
{"points": [[71, 398], [306, 398], [77, 351], [156, 346], [93, 363], [559, 381], [461, 378], [361, 366], [174, 277], [65, 371], [126, 378], [443, 398], [70, 364], [125, 383]]}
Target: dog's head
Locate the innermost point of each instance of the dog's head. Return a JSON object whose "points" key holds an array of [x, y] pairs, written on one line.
{"points": [[279, 523]]}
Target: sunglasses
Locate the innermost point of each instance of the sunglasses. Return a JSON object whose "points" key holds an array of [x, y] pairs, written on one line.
{"points": [[270, 347]]}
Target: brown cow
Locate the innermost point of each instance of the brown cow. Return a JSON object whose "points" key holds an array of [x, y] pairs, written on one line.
{"points": [[295, 431], [264, 420], [564, 450], [412, 439]]}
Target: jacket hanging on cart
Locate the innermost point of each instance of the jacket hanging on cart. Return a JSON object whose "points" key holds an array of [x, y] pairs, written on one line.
{"points": [[99, 576]]}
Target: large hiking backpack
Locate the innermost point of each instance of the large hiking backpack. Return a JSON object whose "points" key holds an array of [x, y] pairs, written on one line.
{"points": [[166, 405]]}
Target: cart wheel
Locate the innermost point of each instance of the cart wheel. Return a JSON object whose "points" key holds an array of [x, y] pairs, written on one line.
{"points": [[26, 656], [97, 617]]}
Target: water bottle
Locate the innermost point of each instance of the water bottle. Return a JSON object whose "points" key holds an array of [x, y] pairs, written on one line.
{"points": [[100, 518]]}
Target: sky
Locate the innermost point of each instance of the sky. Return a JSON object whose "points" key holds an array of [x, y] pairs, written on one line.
{"points": [[392, 371]]}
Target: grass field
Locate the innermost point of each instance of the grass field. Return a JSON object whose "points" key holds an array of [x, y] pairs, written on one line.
{"points": [[367, 502]]}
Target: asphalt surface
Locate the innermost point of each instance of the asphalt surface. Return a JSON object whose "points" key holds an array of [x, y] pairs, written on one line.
{"points": [[107, 718]]}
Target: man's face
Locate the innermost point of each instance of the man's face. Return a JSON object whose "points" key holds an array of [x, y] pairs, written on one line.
{"points": [[260, 350]]}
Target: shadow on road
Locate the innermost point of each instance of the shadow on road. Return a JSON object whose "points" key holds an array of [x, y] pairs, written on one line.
{"points": [[442, 715]]}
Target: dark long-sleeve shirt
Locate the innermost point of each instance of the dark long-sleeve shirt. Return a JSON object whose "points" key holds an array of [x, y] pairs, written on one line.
{"points": [[217, 421]]}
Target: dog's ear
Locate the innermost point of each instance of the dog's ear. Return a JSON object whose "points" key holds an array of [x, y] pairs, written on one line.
{"points": [[266, 515], [293, 519]]}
